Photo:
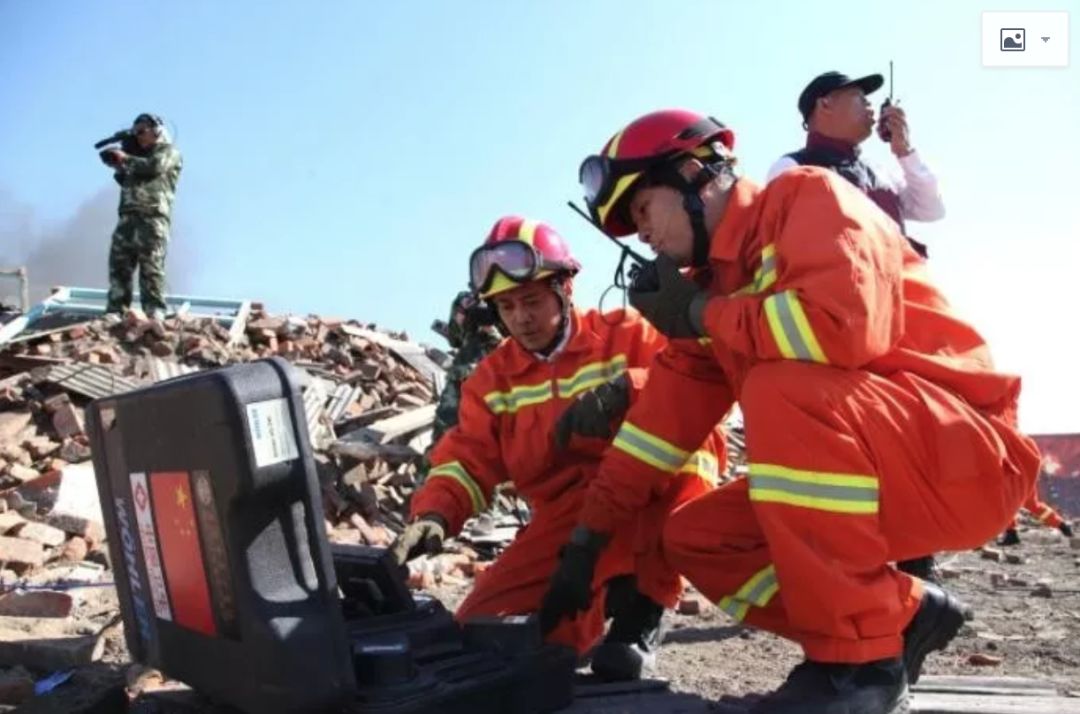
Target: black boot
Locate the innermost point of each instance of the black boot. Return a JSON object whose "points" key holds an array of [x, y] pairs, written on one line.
{"points": [[1010, 537], [631, 643], [1066, 529], [936, 623], [819, 688], [924, 568]]}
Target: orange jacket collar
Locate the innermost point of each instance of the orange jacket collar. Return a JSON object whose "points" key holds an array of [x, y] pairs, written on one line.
{"points": [[738, 219], [581, 339]]}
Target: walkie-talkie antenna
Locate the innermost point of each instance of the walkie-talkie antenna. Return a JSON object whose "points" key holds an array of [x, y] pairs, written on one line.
{"points": [[622, 246]]}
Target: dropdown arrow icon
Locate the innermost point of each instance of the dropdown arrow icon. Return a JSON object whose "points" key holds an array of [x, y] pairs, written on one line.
{"points": [[1046, 39]]}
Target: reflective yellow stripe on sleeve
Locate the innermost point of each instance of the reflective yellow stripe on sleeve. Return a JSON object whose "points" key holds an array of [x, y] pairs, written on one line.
{"points": [[756, 591], [704, 465], [790, 328], [455, 471], [650, 449]]}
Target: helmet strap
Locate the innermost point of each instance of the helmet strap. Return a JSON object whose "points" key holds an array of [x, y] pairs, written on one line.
{"points": [[668, 175]]}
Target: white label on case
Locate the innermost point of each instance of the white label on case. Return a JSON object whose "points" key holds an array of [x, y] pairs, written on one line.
{"points": [[271, 430]]}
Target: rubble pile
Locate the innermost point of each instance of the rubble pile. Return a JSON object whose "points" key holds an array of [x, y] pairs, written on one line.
{"points": [[369, 397]]}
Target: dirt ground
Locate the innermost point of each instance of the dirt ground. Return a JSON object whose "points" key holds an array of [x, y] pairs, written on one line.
{"points": [[1027, 623], [1032, 635]]}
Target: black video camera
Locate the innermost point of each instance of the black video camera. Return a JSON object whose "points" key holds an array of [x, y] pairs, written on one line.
{"points": [[127, 141]]}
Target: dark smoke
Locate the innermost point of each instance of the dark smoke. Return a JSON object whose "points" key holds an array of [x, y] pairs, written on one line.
{"points": [[75, 250]]}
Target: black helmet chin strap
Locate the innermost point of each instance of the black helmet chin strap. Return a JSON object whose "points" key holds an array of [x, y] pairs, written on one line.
{"points": [[668, 175], [558, 287]]}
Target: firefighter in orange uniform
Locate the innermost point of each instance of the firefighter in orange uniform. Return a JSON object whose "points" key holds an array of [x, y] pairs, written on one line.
{"points": [[539, 411], [876, 426], [1044, 513]]}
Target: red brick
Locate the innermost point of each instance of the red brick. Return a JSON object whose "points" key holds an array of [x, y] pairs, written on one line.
{"points": [[984, 660], [161, 349], [689, 606], [41, 603]]}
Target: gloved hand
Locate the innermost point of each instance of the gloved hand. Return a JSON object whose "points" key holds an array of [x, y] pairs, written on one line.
{"points": [[677, 307], [570, 588], [425, 535], [115, 156], [592, 412]]}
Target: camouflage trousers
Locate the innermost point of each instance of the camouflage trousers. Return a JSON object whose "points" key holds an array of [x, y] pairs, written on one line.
{"points": [[138, 242]]}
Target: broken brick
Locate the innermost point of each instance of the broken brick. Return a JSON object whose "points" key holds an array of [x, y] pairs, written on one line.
{"points": [[41, 533], [689, 606], [36, 603], [21, 551], [85, 528], [9, 520], [75, 550], [68, 421], [73, 452], [23, 474], [979, 659]]}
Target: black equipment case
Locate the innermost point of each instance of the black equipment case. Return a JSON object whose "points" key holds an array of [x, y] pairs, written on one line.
{"points": [[227, 582]]}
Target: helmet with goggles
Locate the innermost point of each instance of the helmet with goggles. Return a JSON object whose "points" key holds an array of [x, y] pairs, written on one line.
{"points": [[646, 148], [518, 251]]}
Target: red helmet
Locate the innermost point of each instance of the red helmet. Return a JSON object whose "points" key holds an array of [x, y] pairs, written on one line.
{"points": [[648, 141], [518, 250]]}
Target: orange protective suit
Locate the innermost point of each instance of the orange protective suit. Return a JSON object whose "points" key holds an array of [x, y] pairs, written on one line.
{"points": [[876, 427], [1042, 512], [508, 410]]}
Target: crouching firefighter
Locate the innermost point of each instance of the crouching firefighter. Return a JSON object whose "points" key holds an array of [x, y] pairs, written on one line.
{"points": [[876, 426], [540, 410]]}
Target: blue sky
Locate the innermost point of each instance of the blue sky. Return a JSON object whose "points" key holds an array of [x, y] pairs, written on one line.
{"points": [[344, 157]]}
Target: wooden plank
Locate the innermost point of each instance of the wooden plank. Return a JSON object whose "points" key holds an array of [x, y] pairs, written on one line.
{"points": [[999, 686], [412, 420], [934, 703], [943, 682]]}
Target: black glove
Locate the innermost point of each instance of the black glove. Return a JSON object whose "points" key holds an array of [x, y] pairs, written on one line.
{"points": [[570, 589], [592, 412], [677, 307], [425, 535]]}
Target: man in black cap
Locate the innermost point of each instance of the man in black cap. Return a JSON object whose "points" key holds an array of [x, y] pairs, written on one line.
{"points": [[838, 117]]}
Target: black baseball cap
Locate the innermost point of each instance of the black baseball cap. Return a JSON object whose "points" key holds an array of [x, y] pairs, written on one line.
{"points": [[831, 81]]}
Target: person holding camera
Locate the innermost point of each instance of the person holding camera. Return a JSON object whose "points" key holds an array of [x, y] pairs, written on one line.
{"points": [[147, 167]]}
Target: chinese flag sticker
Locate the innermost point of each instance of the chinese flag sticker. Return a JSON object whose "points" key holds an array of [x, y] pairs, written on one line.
{"points": [[181, 553]]}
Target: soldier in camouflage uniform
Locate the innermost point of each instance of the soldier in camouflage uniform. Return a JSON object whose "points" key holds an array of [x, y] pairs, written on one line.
{"points": [[147, 178], [472, 332]]}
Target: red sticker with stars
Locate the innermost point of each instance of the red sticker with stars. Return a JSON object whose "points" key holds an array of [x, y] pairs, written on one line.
{"points": [[181, 552]]}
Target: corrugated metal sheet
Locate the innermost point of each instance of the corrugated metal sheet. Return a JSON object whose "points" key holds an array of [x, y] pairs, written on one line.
{"points": [[341, 400], [161, 369], [90, 380]]}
